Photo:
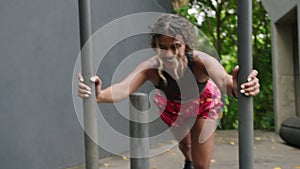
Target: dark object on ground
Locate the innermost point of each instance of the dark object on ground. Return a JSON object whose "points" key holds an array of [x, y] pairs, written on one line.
{"points": [[290, 131]]}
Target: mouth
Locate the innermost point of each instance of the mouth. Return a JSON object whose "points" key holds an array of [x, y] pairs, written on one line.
{"points": [[173, 59]]}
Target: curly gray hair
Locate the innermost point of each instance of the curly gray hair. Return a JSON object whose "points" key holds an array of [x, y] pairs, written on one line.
{"points": [[173, 25]]}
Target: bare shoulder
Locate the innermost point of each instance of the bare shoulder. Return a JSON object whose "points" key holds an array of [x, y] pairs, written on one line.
{"points": [[205, 65], [152, 62], [202, 56], [204, 59], [148, 69], [152, 66], [210, 65]]}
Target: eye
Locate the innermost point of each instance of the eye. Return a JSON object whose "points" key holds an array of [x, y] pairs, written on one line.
{"points": [[173, 47], [178, 45], [162, 47]]}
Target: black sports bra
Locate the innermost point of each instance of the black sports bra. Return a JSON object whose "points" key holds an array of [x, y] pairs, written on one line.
{"points": [[186, 88]]}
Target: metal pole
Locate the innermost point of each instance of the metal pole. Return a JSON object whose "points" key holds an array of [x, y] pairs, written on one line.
{"points": [[245, 105], [89, 105], [139, 131]]}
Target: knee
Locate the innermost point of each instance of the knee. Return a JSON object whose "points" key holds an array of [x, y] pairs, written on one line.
{"points": [[201, 165], [185, 146]]}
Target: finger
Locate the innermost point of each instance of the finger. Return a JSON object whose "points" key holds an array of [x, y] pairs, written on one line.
{"points": [[83, 91], [251, 87], [83, 95], [84, 86], [97, 81], [252, 75], [235, 72], [80, 77], [250, 83], [254, 93]]}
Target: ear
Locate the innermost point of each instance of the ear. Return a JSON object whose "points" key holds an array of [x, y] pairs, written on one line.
{"points": [[188, 50]]}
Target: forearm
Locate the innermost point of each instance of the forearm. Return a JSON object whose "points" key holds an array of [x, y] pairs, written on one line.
{"points": [[114, 93], [231, 88], [130, 84]]}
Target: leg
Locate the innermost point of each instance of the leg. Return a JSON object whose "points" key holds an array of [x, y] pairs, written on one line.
{"points": [[183, 136], [202, 139]]}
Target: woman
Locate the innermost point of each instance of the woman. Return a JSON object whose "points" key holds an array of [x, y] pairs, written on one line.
{"points": [[188, 80]]}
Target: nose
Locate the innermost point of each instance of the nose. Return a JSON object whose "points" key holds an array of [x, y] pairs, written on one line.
{"points": [[168, 54]]}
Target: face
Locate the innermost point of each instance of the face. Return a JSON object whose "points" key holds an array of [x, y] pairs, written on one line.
{"points": [[171, 50]]}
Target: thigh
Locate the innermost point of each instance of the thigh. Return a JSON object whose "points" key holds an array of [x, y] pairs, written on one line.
{"points": [[202, 139], [181, 133]]}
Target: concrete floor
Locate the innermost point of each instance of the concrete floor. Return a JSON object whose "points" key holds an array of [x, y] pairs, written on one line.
{"points": [[270, 152]]}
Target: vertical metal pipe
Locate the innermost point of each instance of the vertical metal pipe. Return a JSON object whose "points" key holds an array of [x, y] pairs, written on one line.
{"points": [[245, 106], [89, 105], [139, 131]]}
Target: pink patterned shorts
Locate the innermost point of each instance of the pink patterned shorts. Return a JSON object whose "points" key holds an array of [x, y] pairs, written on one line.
{"points": [[207, 106]]}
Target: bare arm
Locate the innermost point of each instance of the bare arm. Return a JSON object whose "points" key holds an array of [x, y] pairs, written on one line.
{"points": [[227, 83], [131, 83], [123, 89]]}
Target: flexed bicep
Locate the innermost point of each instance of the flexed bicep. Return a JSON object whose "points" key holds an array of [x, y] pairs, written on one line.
{"points": [[130, 83], [214, 70]]}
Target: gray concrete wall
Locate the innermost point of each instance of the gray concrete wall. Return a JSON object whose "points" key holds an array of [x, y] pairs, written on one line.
{"points": [[39, 45], [284, 76], [284, 18], [278, 8]]}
